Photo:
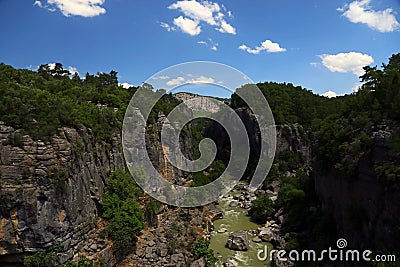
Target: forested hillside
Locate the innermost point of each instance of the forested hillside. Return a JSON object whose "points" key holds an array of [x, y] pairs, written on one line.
{"points": [[344, 140]]}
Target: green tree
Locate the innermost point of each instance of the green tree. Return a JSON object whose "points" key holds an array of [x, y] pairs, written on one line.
{"points": [[122, 210], [200, 248], [261, 209]]}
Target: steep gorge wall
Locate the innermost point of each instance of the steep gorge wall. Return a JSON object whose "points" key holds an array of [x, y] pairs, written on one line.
{"points": [[364, 207], [290, 137], [51, 192]]}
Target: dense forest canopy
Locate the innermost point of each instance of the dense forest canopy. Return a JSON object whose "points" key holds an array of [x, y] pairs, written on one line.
{"points": [[39, 102]]}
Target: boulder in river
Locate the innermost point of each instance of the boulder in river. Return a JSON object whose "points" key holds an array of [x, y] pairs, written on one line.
{"points": [[230, 263], [265, 234], [238, 241], [256, 239], [233, 204]]}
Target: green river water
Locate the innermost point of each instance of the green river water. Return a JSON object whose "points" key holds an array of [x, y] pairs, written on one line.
{"points": [[235, 219]]}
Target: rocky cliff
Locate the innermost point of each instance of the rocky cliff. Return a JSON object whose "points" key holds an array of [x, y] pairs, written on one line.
{"points": [[51, 192], [365, 207], [288, 137], [202, 103]]}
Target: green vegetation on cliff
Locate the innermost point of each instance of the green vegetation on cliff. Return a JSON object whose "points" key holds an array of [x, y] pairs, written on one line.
{"points": [[41, 102], [347, 136], [344, 132], [122, 211]]}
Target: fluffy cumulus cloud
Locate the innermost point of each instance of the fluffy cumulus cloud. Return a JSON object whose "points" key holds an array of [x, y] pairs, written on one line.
{"points": [[361, 12], [329, 94], [267, 46], [347, 62], [84, 8], [226, 28], [187, 25], [191, 80], [196, 13], [201, 80], [176, 81], [125, 85]]}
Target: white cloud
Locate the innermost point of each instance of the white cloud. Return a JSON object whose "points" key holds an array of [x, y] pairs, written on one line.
{"points": [[347, 62], [72, 70], [329, 94], [38, 3], [84, 8], [176, 81], [181, 80], [226, 28], [187, 25], [361, 12], [356, 87], [267, 46], [210, 43], [198, 11], [51, 66], [168, 27], [163, 77], [125, 85], [201, 80], [32, 67], [205, 11]]}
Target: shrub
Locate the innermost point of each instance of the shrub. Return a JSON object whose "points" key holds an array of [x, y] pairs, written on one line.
{"points": [[122, 210], [261, 209], [200, 249], [43, 258]]}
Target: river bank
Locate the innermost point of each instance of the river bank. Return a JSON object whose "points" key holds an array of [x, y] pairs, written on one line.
{"points": [[234, 207]]}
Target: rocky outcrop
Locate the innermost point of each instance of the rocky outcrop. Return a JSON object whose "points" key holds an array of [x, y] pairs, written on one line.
{"points": [[201, 103], [238, 241], [168, 244], [364, 207], [293, 137], [288, 137], [51, 191]]}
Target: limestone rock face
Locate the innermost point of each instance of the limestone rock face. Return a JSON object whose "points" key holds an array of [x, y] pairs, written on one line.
{"points": [[365, 208], [238, 241], [51, 191], [201, 103]]}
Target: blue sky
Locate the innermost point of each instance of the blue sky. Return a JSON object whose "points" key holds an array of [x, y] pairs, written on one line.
{"points": [[318, 44]]}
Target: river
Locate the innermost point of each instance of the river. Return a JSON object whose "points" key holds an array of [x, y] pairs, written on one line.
{"points": [[235, 219]]}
